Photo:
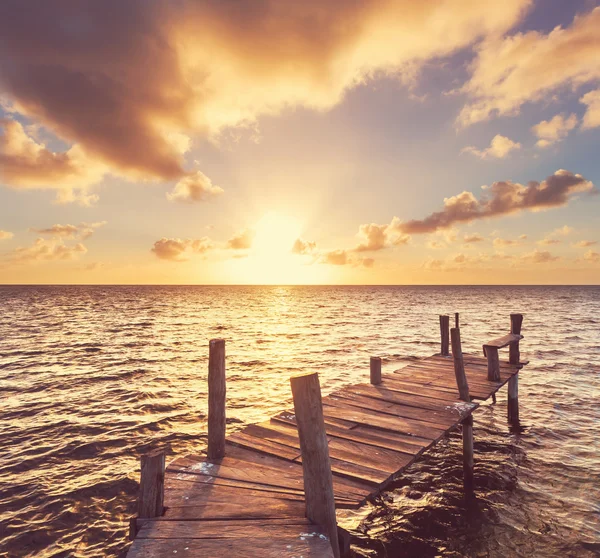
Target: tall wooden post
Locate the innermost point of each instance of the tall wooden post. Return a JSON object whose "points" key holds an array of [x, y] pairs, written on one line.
{"points": [[375, 370], [216, 399], [516, 321], [152, 485], [316, 466], [459, 365], [456, 320], [445, 335], [468, 464], [493, 364]]}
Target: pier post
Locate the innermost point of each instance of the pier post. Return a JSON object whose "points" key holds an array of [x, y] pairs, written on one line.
{"points": [[459, 365], [516, 321], [316, 466], [152, 485], [445, 335], [514, 357], [375, 370], [456, 320], [467, 434], [216, 399], [493, 364]]}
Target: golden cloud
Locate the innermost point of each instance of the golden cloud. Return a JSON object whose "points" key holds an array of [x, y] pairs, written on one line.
{"points": [[127, 83], [510, 71], [502, 198]]}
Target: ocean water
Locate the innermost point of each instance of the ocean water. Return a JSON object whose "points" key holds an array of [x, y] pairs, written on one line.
{"points": [[93, 377]]}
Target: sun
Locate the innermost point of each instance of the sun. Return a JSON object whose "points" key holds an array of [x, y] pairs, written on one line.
{"points": [[270, 260], [275, 235]]}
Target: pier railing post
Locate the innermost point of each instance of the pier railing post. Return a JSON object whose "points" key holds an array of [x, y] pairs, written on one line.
{"points": [[316, 466], [152, 485], [493, 364], [468, 463], [216, 399], [516, 321], [459, 365], [445, 335], [375, 370]]}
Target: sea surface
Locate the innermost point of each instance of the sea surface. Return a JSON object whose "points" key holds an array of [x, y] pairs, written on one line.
{"points": [[91, 377]]}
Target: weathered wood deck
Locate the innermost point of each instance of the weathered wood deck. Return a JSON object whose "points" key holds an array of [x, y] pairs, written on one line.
{"points": [[251, 502]]}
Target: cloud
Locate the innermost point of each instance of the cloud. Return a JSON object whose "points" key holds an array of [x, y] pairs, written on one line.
{"points": [[504, 242], [591, 118], [526, 67], [335, 257], [551, 237], [47, 250], [368, 262], [130, 83], [499, 148], [82, 231], [470, 238], [177, 250], [304, 247], [5, 235], [27, 164], [591, 256], [377, 237], [553, 130], [539, 256], [585, 243], [196, 187], [502, 198], [242, 240]]}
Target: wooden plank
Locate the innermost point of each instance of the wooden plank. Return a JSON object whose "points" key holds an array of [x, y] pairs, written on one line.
{"points": [[256, 508], [440, 420], [267, 447], [406, 399], [503, 341], [395, 424], [308, 547], [183, 493], [231, 529], [289, 418], [178, 476]]}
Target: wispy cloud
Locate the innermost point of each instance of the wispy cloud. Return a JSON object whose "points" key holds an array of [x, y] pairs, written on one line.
{"points": [[499, 148], [177, 250], [556, 129], [502, 198], [241, 240], [527, 67]]}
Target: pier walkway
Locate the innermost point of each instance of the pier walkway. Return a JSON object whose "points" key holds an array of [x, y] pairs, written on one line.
{"points": [[250, 499]]}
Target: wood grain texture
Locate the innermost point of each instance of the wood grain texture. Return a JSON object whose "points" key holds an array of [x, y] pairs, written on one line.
{"points": [[459, 365], [316, 464], [253, 500], [216, 399], [152, 480]]}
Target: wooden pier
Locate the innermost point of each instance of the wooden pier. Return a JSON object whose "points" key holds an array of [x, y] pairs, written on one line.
{"points": [[272, 488]]}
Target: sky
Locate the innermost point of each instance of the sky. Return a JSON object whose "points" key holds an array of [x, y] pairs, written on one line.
{"points": [[288, 142]]}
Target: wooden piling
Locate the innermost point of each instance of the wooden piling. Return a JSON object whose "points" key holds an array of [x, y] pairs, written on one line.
{"points": [[316, 466], [493, 361], [516, 321], [375, 370], [468, 463], [152, 485], [459, 365], [216, 399], [456, 320], [513, 400], [445, 335], [514, 357]]}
